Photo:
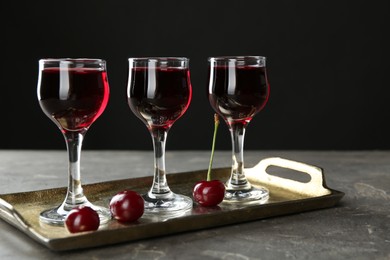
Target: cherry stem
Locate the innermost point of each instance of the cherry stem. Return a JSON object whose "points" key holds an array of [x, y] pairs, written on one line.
{"points": [[216, 124]]}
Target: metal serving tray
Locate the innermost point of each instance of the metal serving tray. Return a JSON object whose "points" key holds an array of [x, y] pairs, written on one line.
{"points": [[287, 196]]}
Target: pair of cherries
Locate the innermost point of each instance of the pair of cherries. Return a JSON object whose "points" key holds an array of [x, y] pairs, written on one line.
{"points": [[128, 206]]}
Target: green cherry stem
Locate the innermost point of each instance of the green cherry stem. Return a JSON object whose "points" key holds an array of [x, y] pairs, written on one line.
{"points": [[216, 124]]}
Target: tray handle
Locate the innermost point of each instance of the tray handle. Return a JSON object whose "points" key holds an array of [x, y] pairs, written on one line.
{"points": [[11, 215], [315, 187]]}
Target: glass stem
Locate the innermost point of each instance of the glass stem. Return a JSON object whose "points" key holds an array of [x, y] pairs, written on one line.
{"points": [[237, 179], [160, 186], [75, 195]]}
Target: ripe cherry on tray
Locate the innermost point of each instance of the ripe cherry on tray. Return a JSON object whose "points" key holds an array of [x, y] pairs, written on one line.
{"points": [[82, 218], [127, 206], [210, 192]]}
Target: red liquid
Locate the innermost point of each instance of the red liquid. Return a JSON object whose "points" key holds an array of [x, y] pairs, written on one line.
{"points": [[159, 96], [237, 94], [74, 100]]}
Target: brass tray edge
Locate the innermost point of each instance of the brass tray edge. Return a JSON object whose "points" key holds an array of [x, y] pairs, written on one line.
{"points": [[331, 200]]}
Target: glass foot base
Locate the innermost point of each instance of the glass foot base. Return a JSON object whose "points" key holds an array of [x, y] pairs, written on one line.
{"points": [[253, 195], [171, 204], [58, 215]]}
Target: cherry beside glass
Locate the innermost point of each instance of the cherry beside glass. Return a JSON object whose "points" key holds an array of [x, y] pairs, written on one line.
{"points": [[73, 93], [159, 92], [238, 90]]}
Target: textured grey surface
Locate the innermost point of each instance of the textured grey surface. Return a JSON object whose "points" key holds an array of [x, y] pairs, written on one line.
{"points": [[358, 228]]}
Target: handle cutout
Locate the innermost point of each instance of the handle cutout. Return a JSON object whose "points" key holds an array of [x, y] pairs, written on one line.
{"points": [[286, 173]]}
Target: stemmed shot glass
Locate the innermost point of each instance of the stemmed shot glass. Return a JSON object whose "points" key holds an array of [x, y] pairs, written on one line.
{"points": [[73, 93], [159, 92], [238, 90]]}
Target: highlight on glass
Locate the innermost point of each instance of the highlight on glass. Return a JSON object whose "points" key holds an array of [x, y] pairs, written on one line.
{"points": [[73, 93], [238, 90]]}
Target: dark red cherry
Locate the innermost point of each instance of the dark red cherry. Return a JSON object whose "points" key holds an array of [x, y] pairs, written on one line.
{"points": [[82, 218], [127, 206], [209, 193]]}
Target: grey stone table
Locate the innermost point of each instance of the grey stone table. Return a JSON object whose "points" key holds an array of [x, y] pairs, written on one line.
{"points": [[358, 228]]}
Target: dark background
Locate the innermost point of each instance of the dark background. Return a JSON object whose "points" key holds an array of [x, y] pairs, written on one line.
{"points": [[327, 62]]}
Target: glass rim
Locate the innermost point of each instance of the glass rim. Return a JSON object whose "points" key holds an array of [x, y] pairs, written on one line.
{"points": [[238, 58], [75, 60], [159, 59]]}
